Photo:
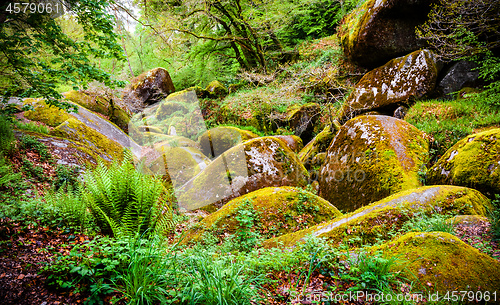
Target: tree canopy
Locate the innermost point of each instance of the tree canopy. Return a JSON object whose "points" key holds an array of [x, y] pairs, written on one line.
{"points": [[37, 55]]}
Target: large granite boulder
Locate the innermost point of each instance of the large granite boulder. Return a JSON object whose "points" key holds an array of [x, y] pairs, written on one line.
{"points": [[441, 262], [380, 30], [382, 219], [148, 88], [276, 210], [458, 75], [473, 162], [217, 140], [398, 82], [370, 158], [249, 166], [102, 104]]}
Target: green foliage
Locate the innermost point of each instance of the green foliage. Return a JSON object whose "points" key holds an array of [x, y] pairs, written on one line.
{"points": [[6, 136], [66, 176], [6, 173], [124, 201], [315, 20], [71, 208], [371, 271], [421, 222], [37, 55], [447, 122], [27, 142], [31, 126], [495, 217], [245, 235]]}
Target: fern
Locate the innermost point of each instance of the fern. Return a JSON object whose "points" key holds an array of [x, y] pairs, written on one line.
{"points": [[6, 174], [124, 201]]}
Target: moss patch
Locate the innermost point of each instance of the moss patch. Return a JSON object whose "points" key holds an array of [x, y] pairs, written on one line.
{"points": [[371, 158], [376, 221], [280, 210], [438, 261], [473, 162], [75, 130], [44, 113], [217, 140]]}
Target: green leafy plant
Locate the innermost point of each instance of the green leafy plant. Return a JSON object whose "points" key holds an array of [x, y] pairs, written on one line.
{"points": [[422, 222], [31, 143], [124, 201], [30, 126], [245, 234], [494, 216], [71, 207], [6, 136], [371, 271], [66, 176]]}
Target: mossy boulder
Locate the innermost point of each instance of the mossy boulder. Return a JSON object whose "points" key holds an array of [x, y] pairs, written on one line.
{"points": [[468, 220], [217, 140], [148, 88], [293, 142], [398, 82], [380, 30], [302, 120], [376, 221], [370, 158], [473, 162], [181, 164], [319, 144], [249, 166], [76, 130], [216, 89], [49, 115], [106, 106], [70, 153], [167, 109], [276, 211], [441, 262], [189, 95]]}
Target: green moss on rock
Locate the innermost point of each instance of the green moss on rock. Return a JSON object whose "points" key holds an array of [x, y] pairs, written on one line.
{"points": [[375, 221], [49, 115], [249, 166], [371, 158], [216, 89], [217, 140], [76, 130], [398, 82], [291, 141], [317, 145], [379, 30], [279, 210], [438, 261], [181, 164], [473, 162], [166, 109]]}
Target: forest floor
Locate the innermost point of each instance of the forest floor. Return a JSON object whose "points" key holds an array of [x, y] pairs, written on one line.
{"points": [[27, 247]]}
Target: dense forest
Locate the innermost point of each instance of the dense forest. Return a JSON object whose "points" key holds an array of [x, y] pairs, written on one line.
{"points": [[250, 152]]}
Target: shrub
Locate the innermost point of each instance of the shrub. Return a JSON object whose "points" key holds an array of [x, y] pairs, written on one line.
{"points": [[124, 201]]}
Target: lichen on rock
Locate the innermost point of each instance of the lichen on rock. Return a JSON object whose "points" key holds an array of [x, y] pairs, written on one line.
{"points": [[249, 166], [279, 210], [438, 261], [398, 82], [50, 115], [375, 221], [217, 140], [473, 162], [370, 158]]}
